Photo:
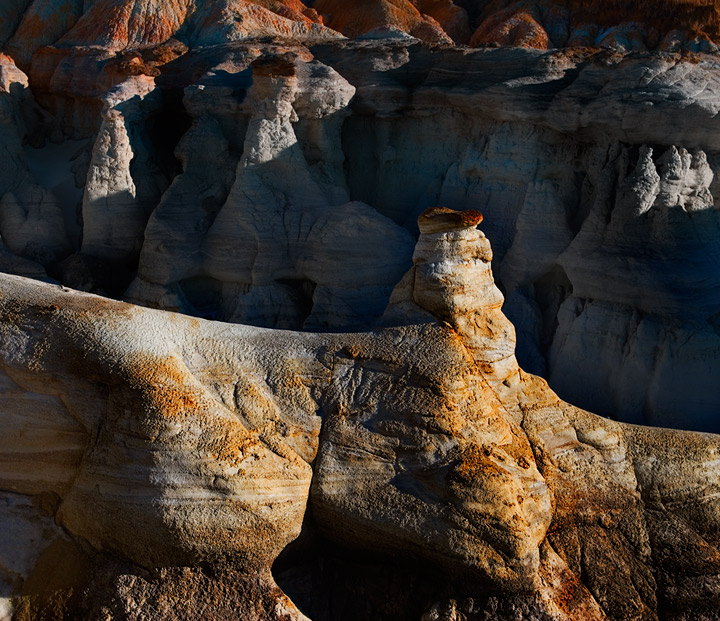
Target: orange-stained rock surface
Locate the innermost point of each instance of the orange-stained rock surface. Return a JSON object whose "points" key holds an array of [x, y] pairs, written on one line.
{"points": [[512, 26], [264, 162], [436, 219], [452, 18], [117, 24], [356, 19], [216, 181], [120, 24], [181, 456], [670, 24]]}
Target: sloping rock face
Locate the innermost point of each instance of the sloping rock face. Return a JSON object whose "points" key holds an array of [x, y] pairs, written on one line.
{"points": [[178, 457], [28, 27]]}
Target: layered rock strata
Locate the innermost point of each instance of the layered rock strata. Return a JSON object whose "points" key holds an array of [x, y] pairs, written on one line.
{"points": [[276, 186], [210, 158], [29, 25], [179, 456]]}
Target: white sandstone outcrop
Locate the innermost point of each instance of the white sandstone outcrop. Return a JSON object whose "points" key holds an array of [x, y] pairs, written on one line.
{"points": [[114, 216], [269, 243]]}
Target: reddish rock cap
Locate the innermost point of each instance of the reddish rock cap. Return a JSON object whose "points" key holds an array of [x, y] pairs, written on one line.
{"points": [[440, 219]]}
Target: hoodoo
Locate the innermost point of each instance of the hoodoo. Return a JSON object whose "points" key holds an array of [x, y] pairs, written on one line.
{"points": [[305, 304]]}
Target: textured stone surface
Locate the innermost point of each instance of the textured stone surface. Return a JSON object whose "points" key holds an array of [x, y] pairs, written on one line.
{"points": [[30, 25], [114, 217], [612, 229], [242, 161], [273, 239], [376, 16], [169, 461], [175, 444]]}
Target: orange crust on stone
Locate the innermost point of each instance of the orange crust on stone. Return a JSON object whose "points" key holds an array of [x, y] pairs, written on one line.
{"points": [[438, 219]]}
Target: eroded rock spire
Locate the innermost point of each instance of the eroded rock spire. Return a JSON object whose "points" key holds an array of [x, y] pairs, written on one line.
{"points": [[452, 280], [166, 445]]}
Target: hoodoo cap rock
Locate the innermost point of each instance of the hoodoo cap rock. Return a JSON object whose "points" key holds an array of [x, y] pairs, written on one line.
{"points": [[441, 219]]}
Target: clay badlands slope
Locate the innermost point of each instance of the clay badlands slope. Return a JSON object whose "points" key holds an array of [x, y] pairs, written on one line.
{"points": [[116, 24], [371, 444]]}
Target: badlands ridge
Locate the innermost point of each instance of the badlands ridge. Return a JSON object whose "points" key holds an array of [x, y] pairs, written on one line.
{"points": [[288, 389], [278, 185]]}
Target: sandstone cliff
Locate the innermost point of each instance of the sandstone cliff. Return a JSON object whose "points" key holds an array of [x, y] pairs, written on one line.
{"points": [[178, 457], [279, 185]]}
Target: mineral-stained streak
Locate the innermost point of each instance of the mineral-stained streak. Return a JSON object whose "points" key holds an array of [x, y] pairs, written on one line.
{"points": [[160, 463]]}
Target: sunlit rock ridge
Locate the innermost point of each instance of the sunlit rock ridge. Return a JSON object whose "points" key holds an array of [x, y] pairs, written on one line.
{"points": [[217, 164], [331, 421], [157, 466]]}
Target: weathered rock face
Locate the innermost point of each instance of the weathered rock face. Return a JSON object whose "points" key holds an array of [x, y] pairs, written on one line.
{"points": [[279, 242], [180, 456], [259, 184], [614, 24], [276, 185], [28, 27], [381, 18], [575, 225], [242, 161]]}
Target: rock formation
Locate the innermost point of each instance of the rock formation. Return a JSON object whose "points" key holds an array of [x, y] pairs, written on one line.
{"points": [[27, 27], [289, 197], [370, 448], [180, 456], [596, 169]]}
